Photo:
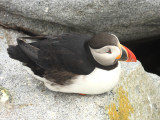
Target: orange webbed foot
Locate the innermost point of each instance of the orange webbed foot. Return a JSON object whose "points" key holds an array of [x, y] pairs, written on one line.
{"points": [[82, 94]]}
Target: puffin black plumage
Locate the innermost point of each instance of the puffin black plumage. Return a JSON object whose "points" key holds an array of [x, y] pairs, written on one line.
{"points": [[74, 63]]}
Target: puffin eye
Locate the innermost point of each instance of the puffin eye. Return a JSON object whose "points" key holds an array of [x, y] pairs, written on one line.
{"points": [[109, 51]]}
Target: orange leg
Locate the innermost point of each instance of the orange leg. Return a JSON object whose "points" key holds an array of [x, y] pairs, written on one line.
{"points": [[82, 94]]}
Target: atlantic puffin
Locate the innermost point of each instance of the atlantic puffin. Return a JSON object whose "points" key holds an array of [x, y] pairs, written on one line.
{"points": [[74, 63]]}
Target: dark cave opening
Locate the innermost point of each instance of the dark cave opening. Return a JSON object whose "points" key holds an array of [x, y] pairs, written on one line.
{"points": [[147, 52]]}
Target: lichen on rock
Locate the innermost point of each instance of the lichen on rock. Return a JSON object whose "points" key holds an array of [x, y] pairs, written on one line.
{"points": [[124, 109], [5, 96]]}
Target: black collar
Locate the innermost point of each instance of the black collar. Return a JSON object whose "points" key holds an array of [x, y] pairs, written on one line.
{"points": [[95, 63]]}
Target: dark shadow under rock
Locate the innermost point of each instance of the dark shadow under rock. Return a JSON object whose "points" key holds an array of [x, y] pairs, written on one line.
{"points": [[147, 51]]}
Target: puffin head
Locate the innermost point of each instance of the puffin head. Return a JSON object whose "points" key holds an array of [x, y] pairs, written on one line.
{"points": [[107, 50]]}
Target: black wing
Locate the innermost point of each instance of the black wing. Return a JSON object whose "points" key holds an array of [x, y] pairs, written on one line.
{"points": [[64, 53]]}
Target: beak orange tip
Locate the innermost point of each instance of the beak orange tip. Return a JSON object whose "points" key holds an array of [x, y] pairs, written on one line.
{"points": [[131, 56]]}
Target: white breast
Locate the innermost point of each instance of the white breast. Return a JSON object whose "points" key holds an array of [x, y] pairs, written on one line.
{"points": [[97, 82]]}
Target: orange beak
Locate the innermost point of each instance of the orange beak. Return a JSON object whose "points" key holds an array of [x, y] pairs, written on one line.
{"points": [[126, 54]]}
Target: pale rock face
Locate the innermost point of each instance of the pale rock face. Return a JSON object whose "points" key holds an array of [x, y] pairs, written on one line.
{"points": [[129, 20], [31, 100]]}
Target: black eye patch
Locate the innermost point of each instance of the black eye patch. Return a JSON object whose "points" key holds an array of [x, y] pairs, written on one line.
{"points": [[109, 51]]}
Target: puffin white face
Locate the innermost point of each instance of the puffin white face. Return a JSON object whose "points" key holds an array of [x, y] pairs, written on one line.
{"points": [[106, 55], [107, 50]]}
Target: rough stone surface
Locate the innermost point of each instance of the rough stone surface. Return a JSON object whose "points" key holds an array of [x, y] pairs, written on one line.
{"points": [[130, 20], [32, 101]]}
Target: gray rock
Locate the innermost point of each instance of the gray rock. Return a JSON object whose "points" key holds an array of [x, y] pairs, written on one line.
{"points": [[35, 26], [130, 20], [32, 101]]}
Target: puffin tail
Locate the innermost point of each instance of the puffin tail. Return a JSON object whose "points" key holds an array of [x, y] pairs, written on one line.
{"points": [[15, 52]]}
